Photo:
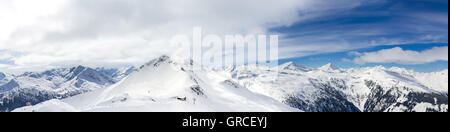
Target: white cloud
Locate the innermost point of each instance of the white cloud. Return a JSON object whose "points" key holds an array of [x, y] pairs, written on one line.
{"points": [[5, 56], [48, 33], [4, 66], [346, 60], [354, 53], [406, 57]]}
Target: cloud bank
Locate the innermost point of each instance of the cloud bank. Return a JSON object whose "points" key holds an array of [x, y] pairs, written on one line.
{"points": [[405, 57], [111, 32]]}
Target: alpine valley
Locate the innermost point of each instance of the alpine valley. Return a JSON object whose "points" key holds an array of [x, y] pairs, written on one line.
{"points": [[168, 84]]}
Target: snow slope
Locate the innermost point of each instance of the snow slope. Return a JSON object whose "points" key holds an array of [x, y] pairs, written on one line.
{"points": [[167, 84]]}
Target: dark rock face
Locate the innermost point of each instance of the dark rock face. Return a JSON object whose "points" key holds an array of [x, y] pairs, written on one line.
{"points": [[13, 95], [20, 97], [197, 90], [8, 86], [329, 99], [383, 100], [379, 99], [231, 84], [157, 62], [432, 98], [328, 104]]}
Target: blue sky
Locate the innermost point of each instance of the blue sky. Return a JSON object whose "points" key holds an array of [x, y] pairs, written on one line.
{"points": [[414, 25]]}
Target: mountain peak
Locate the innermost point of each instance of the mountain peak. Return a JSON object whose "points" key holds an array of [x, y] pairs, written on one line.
{"points": [[156, 62], [288, 66], [80, 66], [328, 66], [2, 75], [289, 63], [292, 66]]}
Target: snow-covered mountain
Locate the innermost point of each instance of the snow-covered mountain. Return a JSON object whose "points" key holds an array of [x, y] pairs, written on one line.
{"points": [[117, 74], [168, 84], [375, 89], [33, 87], [5, 83]]}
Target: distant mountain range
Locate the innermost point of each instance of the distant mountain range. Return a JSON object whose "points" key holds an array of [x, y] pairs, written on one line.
{"points": [[166, 84], [33, 87], [330, 89]]}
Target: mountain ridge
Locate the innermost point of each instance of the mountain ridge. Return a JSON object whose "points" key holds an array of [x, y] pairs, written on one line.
{"points": [[169, 85], [316, 89], [164, 84], [35, 87]]}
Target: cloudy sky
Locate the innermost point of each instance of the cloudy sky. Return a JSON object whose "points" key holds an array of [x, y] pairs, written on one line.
{"points": [[37, 35]]}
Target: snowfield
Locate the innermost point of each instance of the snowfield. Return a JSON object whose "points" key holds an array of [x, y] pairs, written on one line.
{"points": [[169, 85]]}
